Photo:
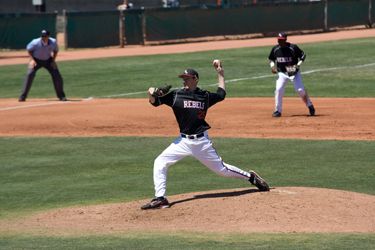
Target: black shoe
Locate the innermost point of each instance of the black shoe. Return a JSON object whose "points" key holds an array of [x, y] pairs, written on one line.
{"points": [[312, 110], [156, 203], [21, 99], [63, 99], [257, 181], [276, 114]]}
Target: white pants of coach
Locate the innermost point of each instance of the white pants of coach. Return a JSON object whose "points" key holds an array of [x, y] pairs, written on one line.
{"points": [[280, 89], [200, 148]]}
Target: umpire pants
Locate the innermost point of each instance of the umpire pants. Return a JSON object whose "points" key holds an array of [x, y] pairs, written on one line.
{"points": [[51, 66]]}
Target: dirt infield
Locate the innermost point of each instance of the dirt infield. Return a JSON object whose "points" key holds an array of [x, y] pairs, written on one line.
{"points": [[339, 118], [284, 209]]}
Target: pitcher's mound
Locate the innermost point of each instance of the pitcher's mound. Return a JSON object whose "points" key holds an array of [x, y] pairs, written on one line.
{"points": [[284, 209]]}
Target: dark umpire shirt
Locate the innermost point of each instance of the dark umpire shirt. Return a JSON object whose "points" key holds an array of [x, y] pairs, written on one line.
{"points": [[286, 56], [190, 107]]}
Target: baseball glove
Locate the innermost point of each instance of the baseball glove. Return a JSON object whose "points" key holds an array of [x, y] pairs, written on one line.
{"points": [[161, 91], [292, 70]]}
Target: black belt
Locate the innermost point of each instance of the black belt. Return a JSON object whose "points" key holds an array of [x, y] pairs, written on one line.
{"points": [[192, 136]]}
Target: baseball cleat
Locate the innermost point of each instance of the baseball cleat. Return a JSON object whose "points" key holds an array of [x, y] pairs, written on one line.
{"points": [[276, 114], [257, 181], [312, 110], [156, 203]]}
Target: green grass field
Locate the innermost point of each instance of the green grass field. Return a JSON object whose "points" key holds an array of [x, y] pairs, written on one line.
{"points": [[38, 174], [41, 173], [116, 76], [194, 241]]}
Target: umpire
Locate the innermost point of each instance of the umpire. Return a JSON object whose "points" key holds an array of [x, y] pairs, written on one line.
{"points": [[43, 52]]}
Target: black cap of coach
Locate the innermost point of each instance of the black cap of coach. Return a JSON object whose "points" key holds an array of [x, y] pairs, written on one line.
{"points": [[282, 36], [44, 33], [189, 73]]}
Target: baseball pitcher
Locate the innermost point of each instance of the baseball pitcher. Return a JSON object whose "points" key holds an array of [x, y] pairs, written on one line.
{"points": [[190, 105]]}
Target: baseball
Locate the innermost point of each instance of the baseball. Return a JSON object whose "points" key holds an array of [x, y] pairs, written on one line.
{"points": [[216, 63]]}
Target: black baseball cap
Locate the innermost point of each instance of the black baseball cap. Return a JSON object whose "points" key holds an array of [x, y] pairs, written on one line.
{"points": [[282, 36], [189, 73], [45, 33]]}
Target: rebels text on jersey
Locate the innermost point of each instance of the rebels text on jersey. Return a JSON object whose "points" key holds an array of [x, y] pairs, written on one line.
{"points": [[190, 107], [286, 56]]}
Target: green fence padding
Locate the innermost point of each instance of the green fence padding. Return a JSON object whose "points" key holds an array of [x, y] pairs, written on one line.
{"points": [[373, 11], [92, 29], [271, 18], [133, 27], [190, 23], [100, 29], [17, 30], [342, 13]]}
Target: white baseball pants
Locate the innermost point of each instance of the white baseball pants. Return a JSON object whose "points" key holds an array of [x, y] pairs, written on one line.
{"points": [[200, 148], [298, 87]]}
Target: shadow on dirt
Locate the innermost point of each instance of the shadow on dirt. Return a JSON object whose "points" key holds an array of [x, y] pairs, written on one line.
{"points": [[216, 195]]}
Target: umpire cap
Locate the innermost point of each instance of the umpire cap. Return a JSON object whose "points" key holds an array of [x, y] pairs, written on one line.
{"points": [[282, 36], [189, 73], [45, 33]]}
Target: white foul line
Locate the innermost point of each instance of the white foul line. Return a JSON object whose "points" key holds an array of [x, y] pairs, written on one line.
{"points": [[255, 78], [213, 84], [30, 106], [125, 94], [40, 104]]}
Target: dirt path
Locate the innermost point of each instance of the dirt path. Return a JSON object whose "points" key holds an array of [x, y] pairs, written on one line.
{"points": [[20, 57], [287, 209], [235, 117]]}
